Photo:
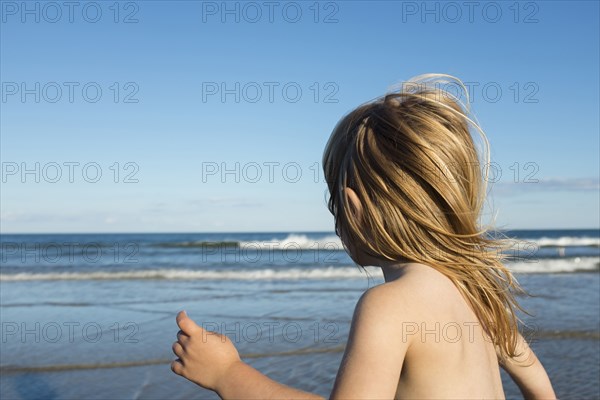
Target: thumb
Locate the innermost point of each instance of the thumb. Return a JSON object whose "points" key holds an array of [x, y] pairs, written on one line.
{"points": [[186, 324]]}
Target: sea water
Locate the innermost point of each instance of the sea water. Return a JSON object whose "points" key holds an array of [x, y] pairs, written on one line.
{"points": [[93, 316]]}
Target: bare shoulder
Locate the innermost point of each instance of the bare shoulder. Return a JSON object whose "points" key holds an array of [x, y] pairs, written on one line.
{"points": [[376, 347], [385, 297], [391, 295], [416, 288], [383, 307]]}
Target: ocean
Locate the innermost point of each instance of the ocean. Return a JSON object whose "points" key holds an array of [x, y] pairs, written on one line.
{"points": [[93, 315]]}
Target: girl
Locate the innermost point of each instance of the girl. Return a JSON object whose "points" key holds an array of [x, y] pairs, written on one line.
{"points": [[406, 190]]}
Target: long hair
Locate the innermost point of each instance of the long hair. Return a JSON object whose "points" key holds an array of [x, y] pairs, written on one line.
{"points": [[412, 161]]}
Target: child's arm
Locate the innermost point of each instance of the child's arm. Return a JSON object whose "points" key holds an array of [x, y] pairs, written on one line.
{"points": [[528, 372], [376, 348], [212, 361], [370, 368], [243, 381]]}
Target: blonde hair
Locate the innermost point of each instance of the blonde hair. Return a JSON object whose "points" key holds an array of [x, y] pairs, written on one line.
{"points": [[411, 159]]}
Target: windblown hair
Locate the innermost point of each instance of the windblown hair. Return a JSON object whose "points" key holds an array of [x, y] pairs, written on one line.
{"points": [[413, 163]]}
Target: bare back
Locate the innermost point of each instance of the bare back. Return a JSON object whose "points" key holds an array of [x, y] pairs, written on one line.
{"points": [[449, 355]]}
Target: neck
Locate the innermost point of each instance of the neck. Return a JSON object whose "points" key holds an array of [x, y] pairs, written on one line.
{"points": [[392, 270]]}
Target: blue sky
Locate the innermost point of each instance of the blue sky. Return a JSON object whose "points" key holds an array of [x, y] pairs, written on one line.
{"points": [[212, 116]]}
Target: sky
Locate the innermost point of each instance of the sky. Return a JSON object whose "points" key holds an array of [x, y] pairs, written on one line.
{"points": [[196, 116]]}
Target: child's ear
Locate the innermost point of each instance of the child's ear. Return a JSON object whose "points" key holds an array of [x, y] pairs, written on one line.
{"points": [[355, 205]]}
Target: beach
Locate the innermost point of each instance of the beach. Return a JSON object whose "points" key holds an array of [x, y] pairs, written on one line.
{"points": [[93, 316]]}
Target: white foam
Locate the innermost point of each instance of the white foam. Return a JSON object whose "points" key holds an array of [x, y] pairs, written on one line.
{"points": [[183, 274], [547, 266], [564, 241], [295, 241], [332, 242], [555, 265]]}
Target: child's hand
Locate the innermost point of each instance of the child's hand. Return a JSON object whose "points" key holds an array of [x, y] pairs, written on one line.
{"points": [[204, 357]]}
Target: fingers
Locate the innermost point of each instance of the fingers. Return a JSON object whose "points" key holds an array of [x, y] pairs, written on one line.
{"points": [[187, 327], [186, 324], [182, 337], [177, 349], [177, 367]]}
